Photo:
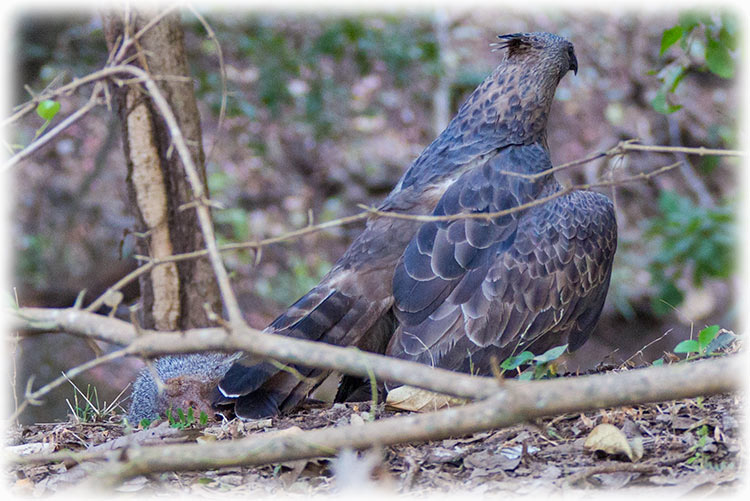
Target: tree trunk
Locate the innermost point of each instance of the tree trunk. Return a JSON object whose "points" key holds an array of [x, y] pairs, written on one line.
{"points": [[173, 294]]}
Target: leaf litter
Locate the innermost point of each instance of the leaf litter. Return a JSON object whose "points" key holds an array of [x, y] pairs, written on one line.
{"points": [[686, 446]]}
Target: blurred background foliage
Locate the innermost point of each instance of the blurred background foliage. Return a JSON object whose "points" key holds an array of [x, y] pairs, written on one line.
{"points": [[324, 112], [693, 242]]}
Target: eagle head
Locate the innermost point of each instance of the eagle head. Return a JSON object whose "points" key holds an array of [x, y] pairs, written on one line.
{"points": [[552, 50]]}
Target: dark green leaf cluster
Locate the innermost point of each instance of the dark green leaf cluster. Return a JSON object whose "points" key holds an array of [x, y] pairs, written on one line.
{"points": [[714, 36], [179, 419], [704, 448], [393, 42], [541, 366], [185, 419], [691, 239], [710, 341]]}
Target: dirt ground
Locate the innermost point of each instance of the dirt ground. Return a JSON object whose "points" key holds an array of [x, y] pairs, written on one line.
{"points": [[689, 447]]}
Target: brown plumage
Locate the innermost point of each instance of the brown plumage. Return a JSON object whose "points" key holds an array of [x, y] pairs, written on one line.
{"points": [[454, 293]]}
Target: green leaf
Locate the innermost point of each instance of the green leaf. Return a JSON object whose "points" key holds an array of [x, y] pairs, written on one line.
{"points": [[729, 30], [47, 109], [511, 363], [203, 419], [707, 335], [718, 59], [670, 37], [540, 371], [551, 354], [687, 346], [145, 423], [660, 105], [674, 77], [692, 18], [728, 39]]}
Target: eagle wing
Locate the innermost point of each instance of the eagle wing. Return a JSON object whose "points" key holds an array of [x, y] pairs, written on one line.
{"points": [[466, 286], [467, 289]]}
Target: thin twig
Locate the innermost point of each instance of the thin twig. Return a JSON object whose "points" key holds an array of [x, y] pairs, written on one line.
{"points": [[52, 133], [128, 40], [612, 467], [642, 176], [622, 148], [560, 167], [64, 90], [257, 245], [700, 151], [33, 397]]}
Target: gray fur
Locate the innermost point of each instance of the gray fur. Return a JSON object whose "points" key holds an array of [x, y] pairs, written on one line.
{"points": [[147, 403]]}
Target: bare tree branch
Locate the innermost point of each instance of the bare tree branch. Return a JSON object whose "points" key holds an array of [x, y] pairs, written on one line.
{"points": [[512, 403], [147, 343]]}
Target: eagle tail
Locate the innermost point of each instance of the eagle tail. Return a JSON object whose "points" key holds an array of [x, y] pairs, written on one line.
{"points": [[262, 388]]}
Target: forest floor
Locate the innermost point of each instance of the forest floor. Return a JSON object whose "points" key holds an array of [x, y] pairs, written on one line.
{"points": [[690, 447]]}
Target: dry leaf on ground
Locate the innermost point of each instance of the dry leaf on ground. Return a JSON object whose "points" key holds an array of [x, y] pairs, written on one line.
{"points": [[611, 440], [409, 398]]}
